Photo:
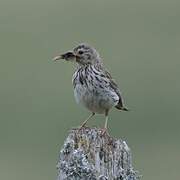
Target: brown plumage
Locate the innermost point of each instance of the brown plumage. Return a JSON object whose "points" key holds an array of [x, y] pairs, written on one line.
{"points": [[93, 85]]}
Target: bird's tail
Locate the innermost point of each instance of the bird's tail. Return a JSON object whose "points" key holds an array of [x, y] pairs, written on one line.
{"points": [[121, 108]]}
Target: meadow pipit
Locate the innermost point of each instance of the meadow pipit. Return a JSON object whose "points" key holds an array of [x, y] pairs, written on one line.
{"points": [[93, 85]]}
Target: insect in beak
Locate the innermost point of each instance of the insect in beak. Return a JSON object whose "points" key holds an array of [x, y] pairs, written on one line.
{"points": [[67, 56]]}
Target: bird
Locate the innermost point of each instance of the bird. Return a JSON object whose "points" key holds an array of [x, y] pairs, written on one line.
{"points": [[94, 87]]}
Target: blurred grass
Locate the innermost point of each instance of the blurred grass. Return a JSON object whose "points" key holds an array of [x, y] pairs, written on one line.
{"points": [[139, 42]]}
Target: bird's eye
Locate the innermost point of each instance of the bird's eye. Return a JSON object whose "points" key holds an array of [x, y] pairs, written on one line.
{"points": [[80, 52]]}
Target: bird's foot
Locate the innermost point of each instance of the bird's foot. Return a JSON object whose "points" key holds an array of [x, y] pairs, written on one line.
{"points": [[82, 126], [85, 122], [104, 131]]}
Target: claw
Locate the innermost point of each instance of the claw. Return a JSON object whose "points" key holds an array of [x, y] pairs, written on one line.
{"points": [[84, 123], [82, 126], [105, 131]]}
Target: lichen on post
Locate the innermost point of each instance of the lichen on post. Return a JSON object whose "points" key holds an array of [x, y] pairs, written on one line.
{"points": [[87, 155]]}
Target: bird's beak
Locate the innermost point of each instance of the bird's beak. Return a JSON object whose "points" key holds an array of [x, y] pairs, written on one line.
{"points": [[67, 56]]}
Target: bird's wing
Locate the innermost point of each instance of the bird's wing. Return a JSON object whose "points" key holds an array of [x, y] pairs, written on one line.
{"points": [[115, 87]]}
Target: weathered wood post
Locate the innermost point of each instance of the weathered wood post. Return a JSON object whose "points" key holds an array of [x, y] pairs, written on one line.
{"points": [[87, 155]]}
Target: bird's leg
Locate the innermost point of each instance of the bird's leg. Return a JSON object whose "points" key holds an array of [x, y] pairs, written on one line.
{"points": [[84, 123], [105, 130]]}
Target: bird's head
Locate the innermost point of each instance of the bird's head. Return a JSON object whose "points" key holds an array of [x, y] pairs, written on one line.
{"points": [[83, 54]]}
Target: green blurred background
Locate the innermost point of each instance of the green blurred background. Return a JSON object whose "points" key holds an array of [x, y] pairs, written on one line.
{"points": [[140, 44]]}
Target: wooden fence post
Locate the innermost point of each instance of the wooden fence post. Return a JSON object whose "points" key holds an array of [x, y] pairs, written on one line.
{"points": [[87, 155]]}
